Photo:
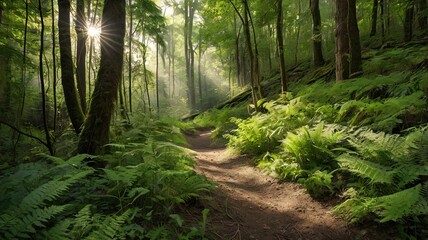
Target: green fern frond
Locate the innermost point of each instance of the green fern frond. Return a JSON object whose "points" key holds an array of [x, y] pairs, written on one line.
{"points": [[59, 231], [18, 225], [408, 202], [375, 172], [50, 191], [111, 227]]}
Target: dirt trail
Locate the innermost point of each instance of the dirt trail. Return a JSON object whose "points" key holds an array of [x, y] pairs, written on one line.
{"points": [[250, 205]]}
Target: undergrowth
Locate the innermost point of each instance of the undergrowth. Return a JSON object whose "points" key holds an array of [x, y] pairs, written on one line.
{"points": [[363, 140], [135, 197]]}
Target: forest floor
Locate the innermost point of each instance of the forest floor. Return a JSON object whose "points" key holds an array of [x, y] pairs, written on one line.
{"points": [[248, 204]]}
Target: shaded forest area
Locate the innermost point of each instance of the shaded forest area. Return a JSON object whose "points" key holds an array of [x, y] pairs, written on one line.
{"points": [[332, 95]]}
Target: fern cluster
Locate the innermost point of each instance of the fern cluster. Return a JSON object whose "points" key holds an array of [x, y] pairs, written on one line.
{"points": [[350, 139], [135, 196]]}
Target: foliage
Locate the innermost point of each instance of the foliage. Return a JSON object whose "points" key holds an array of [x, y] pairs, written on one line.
{"points": [[221, 119], [263, 131], [135, 196]]}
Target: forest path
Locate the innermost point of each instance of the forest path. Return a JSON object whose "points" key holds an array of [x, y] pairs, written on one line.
{"points": [[248, 204]]}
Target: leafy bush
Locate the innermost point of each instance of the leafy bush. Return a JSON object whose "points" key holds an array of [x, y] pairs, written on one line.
{"points": [[263, 131], [393, 172], [221, 119], [134, 197]]}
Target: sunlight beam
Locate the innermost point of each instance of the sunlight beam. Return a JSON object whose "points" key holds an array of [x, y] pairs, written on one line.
{"points": [[94, 31]]}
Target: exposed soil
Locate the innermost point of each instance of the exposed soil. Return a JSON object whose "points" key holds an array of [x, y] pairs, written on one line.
{"points": [[248, 204]]}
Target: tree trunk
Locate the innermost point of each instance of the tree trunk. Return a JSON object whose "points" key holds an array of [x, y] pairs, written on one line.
{"points": [[296, 53], [146, 80], [192, 54], [342, 40], [55, 106], [356, 65], [187, 53], [316, 33], [81, 52], [256, 51], [280, 41], [130, 57], [173, 56], [42, 82], [95, 133], [157, 78], [199, 73], [422, 16], [237, 53], [67, 69], [408, 22], [382, 19], [374, 18]]}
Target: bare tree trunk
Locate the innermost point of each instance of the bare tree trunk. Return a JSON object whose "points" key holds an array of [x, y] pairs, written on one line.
{"points": [[237, 53], [408, 22], [342, 40], [374, 18], [422, 16], [192, 54], [157, 78], [130, 57], [95, 133], [81, 52], [67, 69], [382, 19], [146, 80], [42, 81], [199, 73], [280, 41], [316, 33], [173, 56], [356, 65], [296, 53], [55, 113], [256, 51]]}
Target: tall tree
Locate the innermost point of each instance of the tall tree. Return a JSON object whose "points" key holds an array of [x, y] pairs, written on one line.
{"points": [[189, 11], [54, 80], [67, 69], [342, 40], [131, 22], [348, 46], [253, 75], [95, 133], [280, 41], [317, 55], [42, 81], [355, 65], [81, 52], [374, 18], [408, 21], [423, 15]]}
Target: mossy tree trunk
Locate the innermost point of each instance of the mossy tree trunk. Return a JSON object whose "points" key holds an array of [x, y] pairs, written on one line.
{"points": [[422, 16], [67, 69], [95, 133], [316, 33], [348, 46], [408, 22], [374, 18]]}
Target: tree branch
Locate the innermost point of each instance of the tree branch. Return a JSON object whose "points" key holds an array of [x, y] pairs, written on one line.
{"points": [[24, 133]]}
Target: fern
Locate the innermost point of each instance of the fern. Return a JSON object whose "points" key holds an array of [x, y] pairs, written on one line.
{"points": [[375, 172], [409, 202], [110, 227]]}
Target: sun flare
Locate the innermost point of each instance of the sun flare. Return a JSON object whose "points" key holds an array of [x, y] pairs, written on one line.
{"points": [[94, 31]]}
